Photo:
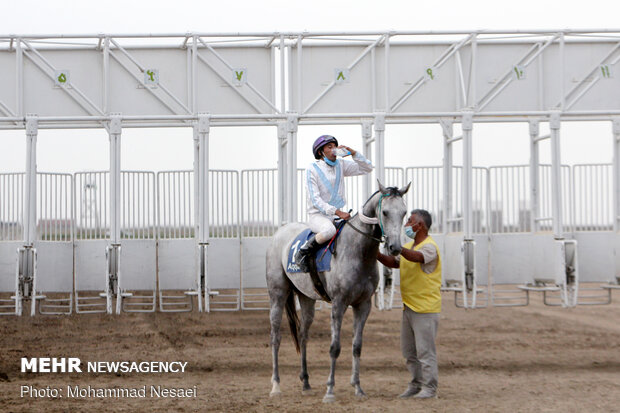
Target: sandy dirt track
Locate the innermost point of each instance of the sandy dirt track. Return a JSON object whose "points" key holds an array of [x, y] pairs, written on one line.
{"points": [[528, 359]]}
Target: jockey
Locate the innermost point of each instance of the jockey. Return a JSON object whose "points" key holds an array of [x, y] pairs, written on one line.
{"points": [[325, 192]]}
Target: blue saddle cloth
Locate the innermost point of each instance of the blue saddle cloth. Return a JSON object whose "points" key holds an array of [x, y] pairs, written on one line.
{"points": [[323, 255]]}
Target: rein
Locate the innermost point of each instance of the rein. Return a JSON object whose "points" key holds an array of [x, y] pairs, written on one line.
{"points": [[379, 240]]}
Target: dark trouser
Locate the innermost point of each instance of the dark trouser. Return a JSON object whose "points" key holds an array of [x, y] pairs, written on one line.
{"points": [[417, 341]]}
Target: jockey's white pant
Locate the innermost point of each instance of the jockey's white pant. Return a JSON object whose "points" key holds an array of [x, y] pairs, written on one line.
{"points": [[323, 226]]}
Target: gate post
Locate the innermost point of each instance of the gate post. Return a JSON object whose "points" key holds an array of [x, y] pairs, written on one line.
{"points": [[380, 147], [30, 194], [468, 247], [282, 173], [367, 151], [616, 172], [534, 176], [367, 141], [467, 126], [448, 132], [201, 136], [568, 273], [556, 176], [26, 255], [292, 122], [616, 196], [114, 249]]}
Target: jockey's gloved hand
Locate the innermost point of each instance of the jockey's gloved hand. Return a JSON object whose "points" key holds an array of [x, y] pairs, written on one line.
{"points": [[343, 215]]}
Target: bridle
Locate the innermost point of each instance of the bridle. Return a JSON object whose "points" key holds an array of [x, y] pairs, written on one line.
{"points": [[371, 220]]}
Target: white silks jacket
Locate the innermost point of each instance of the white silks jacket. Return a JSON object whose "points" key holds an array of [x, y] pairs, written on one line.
{"points": [[325, 184]]}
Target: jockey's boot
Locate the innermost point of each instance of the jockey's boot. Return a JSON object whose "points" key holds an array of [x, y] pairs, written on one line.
{"points": [[306, 253]]}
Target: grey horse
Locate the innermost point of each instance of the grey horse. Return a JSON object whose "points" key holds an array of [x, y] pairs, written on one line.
{"points": [[351, 281]]}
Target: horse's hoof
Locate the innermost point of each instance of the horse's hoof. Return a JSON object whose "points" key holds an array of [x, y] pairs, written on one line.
{"points": [[359, 393], [275, 389], [307, 392], [329, 398]]}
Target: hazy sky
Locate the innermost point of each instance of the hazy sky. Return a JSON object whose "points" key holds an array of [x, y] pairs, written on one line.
{"points": [[172, 148], [180, 16]]}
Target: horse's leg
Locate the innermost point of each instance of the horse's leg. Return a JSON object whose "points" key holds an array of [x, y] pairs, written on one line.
{"points": [[278, 293], [307, 316], [338, 309], [360, 315]]}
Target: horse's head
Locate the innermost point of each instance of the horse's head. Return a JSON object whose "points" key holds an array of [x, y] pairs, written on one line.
{"points": [[391, 210]]}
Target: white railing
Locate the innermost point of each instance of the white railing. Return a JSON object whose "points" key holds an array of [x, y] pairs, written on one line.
{"points": [[510, 199], [427, 193], [546, 207], [224, 204], [92, 215], [302, 203], [55, 207], [244, 204], [175, 204], [587, 201], [259, 192], [395, 176], [354, 190], [137, 205], [593, 197], [12, 206]]}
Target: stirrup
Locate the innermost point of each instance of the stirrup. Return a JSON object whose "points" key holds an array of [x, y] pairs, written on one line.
{"points": [[301, 259]]}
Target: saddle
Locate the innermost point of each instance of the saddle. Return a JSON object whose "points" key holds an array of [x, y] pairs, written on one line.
{"points": [[320, 262]]}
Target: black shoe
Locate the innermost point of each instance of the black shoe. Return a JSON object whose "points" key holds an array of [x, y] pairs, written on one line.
{"points": [[306, 253]]}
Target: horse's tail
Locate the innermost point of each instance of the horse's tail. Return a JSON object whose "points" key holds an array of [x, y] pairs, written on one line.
{"points": [[293, 320]]}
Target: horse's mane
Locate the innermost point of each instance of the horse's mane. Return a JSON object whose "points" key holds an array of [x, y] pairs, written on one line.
{"points": [[392, 191]]}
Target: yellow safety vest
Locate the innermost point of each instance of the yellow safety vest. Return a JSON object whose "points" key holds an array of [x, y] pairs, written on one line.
{"points": [[420, 291]]}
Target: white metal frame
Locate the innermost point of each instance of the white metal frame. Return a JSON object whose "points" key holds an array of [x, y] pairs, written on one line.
{"points": [[468, 110]]}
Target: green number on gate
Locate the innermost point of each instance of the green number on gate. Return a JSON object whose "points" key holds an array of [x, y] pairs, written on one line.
{"points": [[519, 72], [429, 72], [62, 78], [605, 70]]}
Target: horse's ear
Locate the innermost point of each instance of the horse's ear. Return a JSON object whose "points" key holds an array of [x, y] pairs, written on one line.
{"points": [[382, 188], [402, 191]]}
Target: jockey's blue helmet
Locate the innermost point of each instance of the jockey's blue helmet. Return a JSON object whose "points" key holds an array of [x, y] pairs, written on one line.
{"points": [[320, 142]]}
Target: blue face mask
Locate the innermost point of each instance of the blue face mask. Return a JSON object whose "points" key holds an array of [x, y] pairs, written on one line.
{"points": [[410, 232], [330, 163]]}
